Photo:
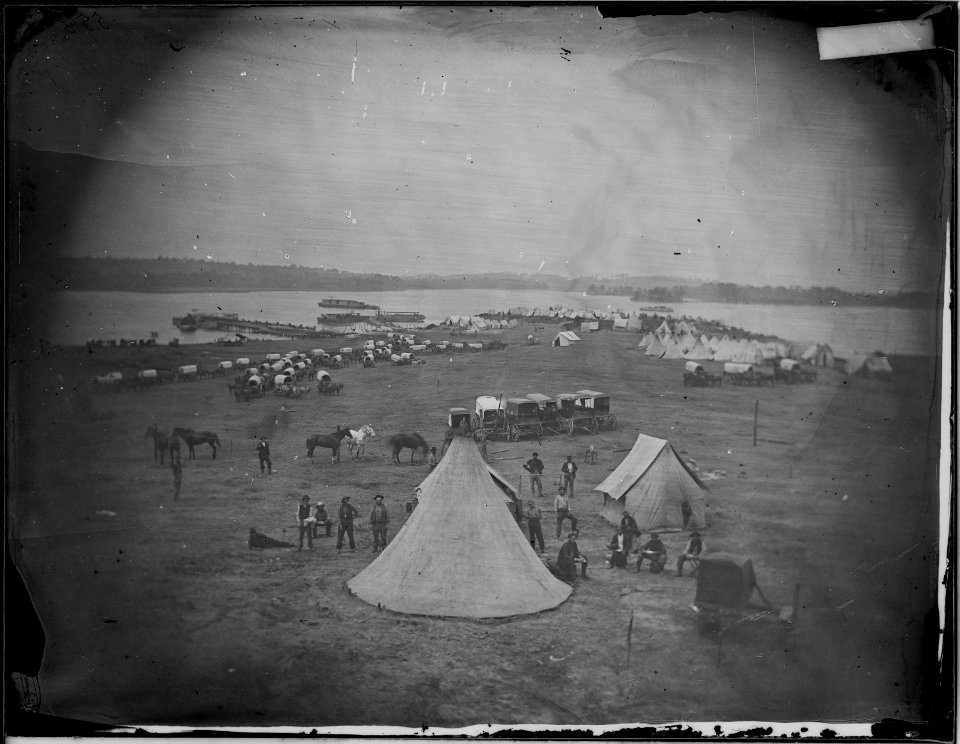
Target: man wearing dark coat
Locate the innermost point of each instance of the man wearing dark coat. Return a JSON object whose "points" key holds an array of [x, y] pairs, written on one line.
{"points": [[630, 529], [567, 560], [378, 523], [654, 551], [348, 513], [323, 520]]}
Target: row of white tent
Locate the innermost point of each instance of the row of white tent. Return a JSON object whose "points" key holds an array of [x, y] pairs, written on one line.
{"points": [[475, 322], [725, 349]]}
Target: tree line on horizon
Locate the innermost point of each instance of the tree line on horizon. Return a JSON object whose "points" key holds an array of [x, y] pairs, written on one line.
{"points": [[165, 274]]}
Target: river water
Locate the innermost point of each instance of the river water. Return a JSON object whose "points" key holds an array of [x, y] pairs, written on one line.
{"points": [[73, 318]]}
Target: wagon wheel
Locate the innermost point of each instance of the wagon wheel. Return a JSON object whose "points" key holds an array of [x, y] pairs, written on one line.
{"points": [[570, 427], [514, 433], [611, 421], [593, 426]]}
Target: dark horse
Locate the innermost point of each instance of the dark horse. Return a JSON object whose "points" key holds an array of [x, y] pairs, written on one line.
{"points": [[413, 442], [160, 442], [328, 441], [193, 438]]}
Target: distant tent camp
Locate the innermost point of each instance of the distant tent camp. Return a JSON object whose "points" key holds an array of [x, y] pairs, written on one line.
{"points": [[656, 487], [460, 554], [587, 326], [635, 323], [565, 338], [620, 323]]}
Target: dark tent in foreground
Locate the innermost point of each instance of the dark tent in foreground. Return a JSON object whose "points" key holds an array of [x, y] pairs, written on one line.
{"points": [[460, 554], [656, 487]]}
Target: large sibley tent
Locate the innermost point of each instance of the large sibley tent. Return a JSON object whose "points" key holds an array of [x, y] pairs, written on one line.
{"points": [[655, 486], [461, 553]]}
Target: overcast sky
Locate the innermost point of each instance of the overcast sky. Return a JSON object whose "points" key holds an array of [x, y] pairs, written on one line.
{"points": [[465, 139]]}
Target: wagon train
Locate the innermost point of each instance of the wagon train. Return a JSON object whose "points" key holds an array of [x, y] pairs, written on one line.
{"points": [[694, 375], [586, 409], [522, 417]]}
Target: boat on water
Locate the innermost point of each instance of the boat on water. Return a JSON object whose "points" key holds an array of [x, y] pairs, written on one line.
{"points": [[338, 304]]}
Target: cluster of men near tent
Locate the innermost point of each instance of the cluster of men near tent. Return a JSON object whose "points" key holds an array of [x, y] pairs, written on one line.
{"points": [[309, 525]]}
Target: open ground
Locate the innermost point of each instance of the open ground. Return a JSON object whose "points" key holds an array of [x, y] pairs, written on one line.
{"points": [[156, 612]]}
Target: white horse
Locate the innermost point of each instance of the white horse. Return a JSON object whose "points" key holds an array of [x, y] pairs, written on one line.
{"points": [[358, 439]]}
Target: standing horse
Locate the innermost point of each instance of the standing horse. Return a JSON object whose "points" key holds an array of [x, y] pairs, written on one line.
{"points": [[358, 439], [328, 441], [413, 442], [160, 442], [193, 438]]}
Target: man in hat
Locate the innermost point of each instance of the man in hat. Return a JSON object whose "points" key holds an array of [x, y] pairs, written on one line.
{"points": [[432, 458], [348, 512], [378, 523], [654, 551], [568, 558], [533, 524], [263, 453], [305, 522], [568, 471], [630, 529], [691, 553], [619, 547], [561, 504], [534, 466], [323, 520]]}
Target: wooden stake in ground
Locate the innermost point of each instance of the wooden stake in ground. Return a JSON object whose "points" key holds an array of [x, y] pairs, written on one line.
{"points": [[629, 638]]}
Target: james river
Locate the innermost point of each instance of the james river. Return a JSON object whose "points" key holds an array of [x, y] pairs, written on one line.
{"points": [[75, 317]]}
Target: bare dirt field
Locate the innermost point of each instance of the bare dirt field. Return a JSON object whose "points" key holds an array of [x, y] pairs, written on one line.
{"points": [[156, 612]]}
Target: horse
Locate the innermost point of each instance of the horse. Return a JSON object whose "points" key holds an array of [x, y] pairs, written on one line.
{"points": [[328, 441], [358, 439], [193, 438], [413, 442], [160, 442]]}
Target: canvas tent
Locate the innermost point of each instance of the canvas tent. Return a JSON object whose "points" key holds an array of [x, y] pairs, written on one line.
{"points": [[655, 348], [460, 554], [565, 338], [699, 351], [653, 484], [619, 322]]}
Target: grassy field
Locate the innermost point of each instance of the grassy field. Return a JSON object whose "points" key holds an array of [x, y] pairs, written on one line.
{"points": [[157, 612]]}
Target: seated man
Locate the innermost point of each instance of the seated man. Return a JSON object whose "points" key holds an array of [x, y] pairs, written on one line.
{"points": [[691, 553], [568, 558], [654, 551], [323, 520], [619, 546]]}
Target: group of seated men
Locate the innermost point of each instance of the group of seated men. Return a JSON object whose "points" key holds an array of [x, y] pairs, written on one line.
{"points": [[654, 551]]}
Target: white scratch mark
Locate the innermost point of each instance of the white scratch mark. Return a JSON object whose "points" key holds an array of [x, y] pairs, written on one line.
{"points": [[542, 264], [243, 74], [231, 175], [423, 88], [756, 82], [444, 88], [353, 71]]}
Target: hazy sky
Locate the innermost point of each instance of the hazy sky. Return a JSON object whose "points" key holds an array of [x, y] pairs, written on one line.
{"points": [[465, 139]]}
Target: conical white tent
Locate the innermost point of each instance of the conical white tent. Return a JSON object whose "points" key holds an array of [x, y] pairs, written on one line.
{"points": [[656, 487], [646, 340], [461, 553], [699, 351], [655, 348], [663, 331], [673, 349]]}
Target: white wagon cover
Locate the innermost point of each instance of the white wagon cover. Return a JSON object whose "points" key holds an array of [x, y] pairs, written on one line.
{"points": [[461, 553]]}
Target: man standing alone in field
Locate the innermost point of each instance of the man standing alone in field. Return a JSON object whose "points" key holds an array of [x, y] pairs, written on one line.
{"points": [[569, 473], [263, 452], [177, 475], [534, 466], [347, 514], [378, 522]]}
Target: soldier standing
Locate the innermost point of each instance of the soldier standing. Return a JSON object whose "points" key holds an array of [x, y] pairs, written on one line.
{"points": [[347, 514], [378, 522]]}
